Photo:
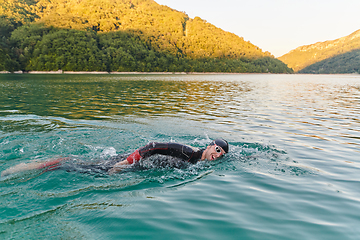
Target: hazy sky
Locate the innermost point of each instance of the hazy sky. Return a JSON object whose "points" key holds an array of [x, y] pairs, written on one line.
{"points": [[277, 26]]}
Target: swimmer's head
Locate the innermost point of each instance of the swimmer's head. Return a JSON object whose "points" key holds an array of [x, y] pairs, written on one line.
{"points": [[215, 150], [221, 143]]}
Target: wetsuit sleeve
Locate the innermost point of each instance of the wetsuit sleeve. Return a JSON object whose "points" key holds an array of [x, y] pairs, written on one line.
{"points": [[134, 157], [181, 151]]}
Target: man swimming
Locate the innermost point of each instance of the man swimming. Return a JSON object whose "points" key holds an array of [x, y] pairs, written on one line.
{"points": [[216, 149]]}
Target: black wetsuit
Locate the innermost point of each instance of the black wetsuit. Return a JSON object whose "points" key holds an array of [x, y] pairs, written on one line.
{"points": [[176, 150]]}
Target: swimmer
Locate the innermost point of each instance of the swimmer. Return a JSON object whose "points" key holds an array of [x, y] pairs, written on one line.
{"points": [[216, 149]]}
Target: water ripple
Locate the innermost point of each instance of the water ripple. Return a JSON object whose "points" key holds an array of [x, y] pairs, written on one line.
{"points": [[292, 171]]}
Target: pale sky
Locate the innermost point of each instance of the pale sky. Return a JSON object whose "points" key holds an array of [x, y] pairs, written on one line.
{"points": [[277, 26]]}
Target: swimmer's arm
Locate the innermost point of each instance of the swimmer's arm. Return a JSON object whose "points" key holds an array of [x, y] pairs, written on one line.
{"points": [[119, 166], [134, 157], [146, 151]]}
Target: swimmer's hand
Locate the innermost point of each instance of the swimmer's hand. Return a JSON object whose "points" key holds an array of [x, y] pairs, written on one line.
{"points": [[118, 167]]}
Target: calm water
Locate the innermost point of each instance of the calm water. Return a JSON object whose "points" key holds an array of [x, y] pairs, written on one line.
{"points": [[292, 172]]}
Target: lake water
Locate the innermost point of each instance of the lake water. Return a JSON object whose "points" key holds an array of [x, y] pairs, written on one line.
{"points": [[292, 172]]}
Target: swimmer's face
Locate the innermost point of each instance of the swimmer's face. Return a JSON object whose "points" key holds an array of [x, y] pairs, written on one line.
{"points": [[213, 152]]}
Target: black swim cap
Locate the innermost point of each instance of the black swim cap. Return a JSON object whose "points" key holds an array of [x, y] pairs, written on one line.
{"points": [[221, 143]]}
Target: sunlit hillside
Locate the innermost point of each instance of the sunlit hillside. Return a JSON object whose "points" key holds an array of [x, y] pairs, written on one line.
{"points": [[304, 56], [153, 37], [164, 27], [348, 62]]}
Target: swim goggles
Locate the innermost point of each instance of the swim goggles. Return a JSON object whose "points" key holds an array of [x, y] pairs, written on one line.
{"points": [[217, 149]]}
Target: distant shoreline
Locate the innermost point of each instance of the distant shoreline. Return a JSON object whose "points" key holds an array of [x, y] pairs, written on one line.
{"points": [[120, 73], [159, 73]]}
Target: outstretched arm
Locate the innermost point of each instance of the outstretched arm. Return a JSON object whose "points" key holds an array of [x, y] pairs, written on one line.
{"points": [[134, 157], [32, 166], [146, 151], [171, 149]]}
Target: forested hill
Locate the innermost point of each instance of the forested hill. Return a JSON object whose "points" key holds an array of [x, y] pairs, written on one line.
{"points": [[348, 62], [120, 35], [305, 56]]}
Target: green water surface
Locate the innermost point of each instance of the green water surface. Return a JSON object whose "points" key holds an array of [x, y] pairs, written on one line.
{"points": [[292, 171]]}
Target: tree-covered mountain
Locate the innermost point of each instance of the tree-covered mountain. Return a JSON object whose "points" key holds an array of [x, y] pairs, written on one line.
{"points": [[120, 35], [305, 56], [344, 63]]}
